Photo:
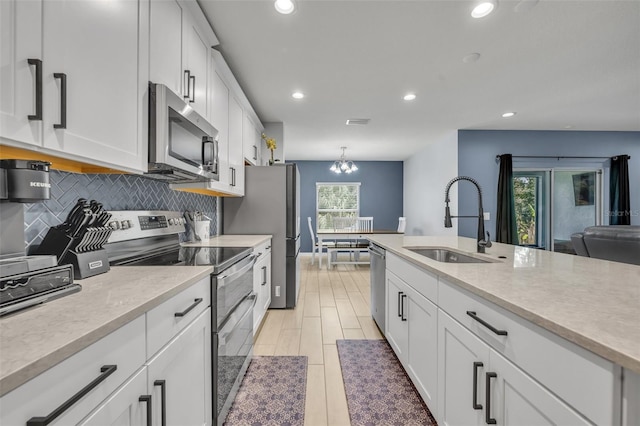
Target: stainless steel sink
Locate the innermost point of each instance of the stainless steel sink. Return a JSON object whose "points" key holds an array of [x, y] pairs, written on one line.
{"points": [[446, 256]]}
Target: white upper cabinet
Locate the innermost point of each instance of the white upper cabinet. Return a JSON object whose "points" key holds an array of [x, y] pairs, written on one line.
{"points": [[219, 107], [180, 45], [252, 139], [236, 154], [92, 57], [21, 71]]}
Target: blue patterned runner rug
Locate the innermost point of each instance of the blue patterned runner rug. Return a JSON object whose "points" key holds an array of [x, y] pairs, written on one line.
{"points": [[379, 392], [272, 392]]}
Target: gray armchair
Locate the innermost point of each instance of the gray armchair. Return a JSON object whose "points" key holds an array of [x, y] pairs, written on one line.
{"points": [[619, 243]]}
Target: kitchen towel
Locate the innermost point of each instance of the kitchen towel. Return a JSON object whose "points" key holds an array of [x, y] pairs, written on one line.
{"points": [[379, 392]]}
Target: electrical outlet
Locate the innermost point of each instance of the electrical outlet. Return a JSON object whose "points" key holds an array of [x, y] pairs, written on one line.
{"points": [[487, 215], [277, 291]]}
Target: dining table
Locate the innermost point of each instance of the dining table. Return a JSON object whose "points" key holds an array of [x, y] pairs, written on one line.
{"points": [[348, 235]]}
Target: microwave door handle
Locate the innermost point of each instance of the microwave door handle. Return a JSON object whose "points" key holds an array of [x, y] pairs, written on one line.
{"points": [[205, 141]]}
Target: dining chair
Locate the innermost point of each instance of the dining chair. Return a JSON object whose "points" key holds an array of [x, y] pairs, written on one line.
{"points": [[364, 224], [316, 246], [402, 224]]}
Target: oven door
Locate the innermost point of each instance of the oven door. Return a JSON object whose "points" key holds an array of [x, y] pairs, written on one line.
{"points": [[232, 352], [230, 287]]}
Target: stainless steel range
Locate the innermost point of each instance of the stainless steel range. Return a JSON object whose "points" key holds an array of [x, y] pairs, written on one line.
{"points": [[151, 238]]}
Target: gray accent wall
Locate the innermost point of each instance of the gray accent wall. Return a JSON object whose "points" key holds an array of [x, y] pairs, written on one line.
{"points": [[477, 150], [381, 192]]}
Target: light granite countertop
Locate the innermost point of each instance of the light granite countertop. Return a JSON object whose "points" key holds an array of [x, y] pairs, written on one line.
{"points": [[36, 339], [590, 302]]}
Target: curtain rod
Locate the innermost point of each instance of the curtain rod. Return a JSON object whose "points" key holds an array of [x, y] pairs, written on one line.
{"points": [[559, 156]]}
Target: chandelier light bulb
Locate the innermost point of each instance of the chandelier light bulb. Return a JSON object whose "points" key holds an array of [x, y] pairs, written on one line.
{"points": [[343, 165]]}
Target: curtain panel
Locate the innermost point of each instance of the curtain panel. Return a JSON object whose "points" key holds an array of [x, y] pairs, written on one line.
{"points": [[506, 229], [619, 192]]}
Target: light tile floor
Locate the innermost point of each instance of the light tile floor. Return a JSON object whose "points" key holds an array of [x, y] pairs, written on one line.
{"points": [[332, 304]]}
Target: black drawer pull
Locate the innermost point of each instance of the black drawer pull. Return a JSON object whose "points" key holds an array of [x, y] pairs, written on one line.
{"points": [[476, 365], [399, 303], [147, 399], [186, 311], [473, 315], [488, 419], [402, 317], [163, 400], [105, 371], [63, 100], [38, 65]]}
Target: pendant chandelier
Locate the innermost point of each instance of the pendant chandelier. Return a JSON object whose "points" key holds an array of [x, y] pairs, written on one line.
{"points": [[343, 165]]}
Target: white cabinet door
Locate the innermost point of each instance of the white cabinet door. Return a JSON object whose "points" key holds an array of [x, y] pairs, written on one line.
{"points": [[182, 371], [236, 157], [515, 399], [261, 286], [165, 44], [196, 59], [462, 357], [397, 331], [422, 353], [20, 44], [125, 407], [219, 118], [95, 81], [251, 137]]}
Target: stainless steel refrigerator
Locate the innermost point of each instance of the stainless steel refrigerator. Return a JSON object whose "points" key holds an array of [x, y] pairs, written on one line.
{"points": [[271, 205]]}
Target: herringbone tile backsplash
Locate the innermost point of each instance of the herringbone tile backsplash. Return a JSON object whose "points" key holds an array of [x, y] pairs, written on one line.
{"points": [[115, 192]]}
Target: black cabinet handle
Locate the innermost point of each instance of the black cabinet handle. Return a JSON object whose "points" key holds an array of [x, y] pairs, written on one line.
{"points": [[187, 84], [147, 399], [264, 275], [163, 400], [399, 303], [473, 315], [232, 176], [255, 153], [105, 371], [63, 100], [186, 311], [38, 64], [402, 317], [193, 92], [476, 365], [488, 419]]}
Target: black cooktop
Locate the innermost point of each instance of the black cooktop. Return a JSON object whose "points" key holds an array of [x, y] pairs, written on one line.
{"points": [[218, 257]]}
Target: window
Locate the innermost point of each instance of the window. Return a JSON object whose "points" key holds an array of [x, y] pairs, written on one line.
{"points": [[336, 200], [528, 192]]}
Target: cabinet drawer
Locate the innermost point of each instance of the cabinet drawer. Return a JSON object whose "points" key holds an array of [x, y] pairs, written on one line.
{"points": [[124, 348], [422, 281], [169, 318], [584, 380]]}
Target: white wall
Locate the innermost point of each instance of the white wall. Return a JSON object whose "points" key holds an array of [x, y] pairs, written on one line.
{"points": [[426, 175]]}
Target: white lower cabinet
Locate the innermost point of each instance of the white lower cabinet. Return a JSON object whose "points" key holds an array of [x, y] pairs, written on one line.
{"points": [[261, 283], [179, 376], [479, 386], [411, 330], [127, 406]]}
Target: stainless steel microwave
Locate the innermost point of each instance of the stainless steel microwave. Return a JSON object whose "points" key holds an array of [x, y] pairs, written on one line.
{"points": [[183, 145]]}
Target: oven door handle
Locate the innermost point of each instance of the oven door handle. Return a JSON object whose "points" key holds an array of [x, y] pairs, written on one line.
{"points": [[222, 279], [222, 337]]}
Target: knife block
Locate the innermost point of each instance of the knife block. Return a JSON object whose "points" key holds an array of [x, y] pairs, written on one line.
{"points": [[56, 242], [87, 264]]}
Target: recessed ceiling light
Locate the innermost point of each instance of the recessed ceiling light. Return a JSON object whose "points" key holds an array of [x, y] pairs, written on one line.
{"points": [[284, 6], [483, 8], [297, 95], [508, 114], [409, 96]]}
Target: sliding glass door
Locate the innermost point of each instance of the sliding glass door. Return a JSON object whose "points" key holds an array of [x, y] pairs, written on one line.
{"points": [[552, 204]]}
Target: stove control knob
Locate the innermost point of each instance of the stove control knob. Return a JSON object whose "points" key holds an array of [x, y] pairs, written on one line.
{"points": [[173, 221], [125, 224], [114, 225]]}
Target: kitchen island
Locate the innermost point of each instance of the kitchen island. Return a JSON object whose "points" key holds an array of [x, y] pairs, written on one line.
{"points": [[568, 322]]}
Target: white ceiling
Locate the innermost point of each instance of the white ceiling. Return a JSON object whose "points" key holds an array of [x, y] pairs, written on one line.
{"points": [[556, 63]]}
